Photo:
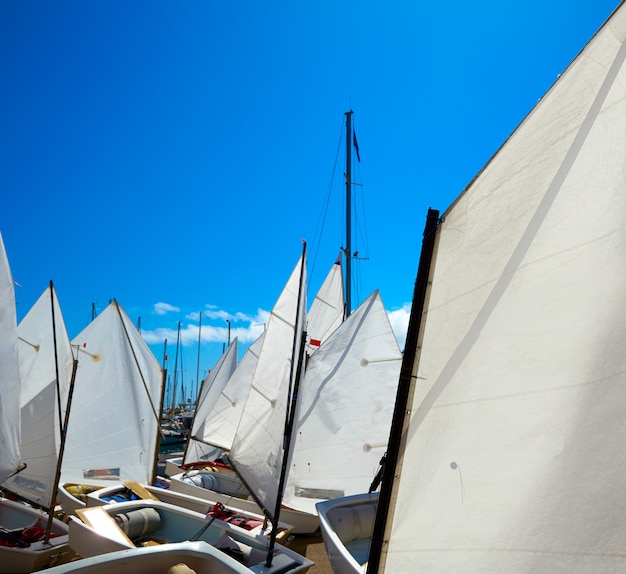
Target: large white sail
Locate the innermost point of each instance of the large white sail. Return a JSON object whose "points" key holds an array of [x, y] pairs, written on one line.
{"points": [[112, 430], [9, 373], [212, 389], [346, 403], [257, 451], [43, 400], [514, 458], [327, 309]]}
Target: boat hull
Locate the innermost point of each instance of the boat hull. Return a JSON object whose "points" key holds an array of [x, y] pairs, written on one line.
{"points": [[14, 518], [70, 502], [128, 525], [200, 557], [346, 526], [255, 522], [172, 465], [303, 522]]}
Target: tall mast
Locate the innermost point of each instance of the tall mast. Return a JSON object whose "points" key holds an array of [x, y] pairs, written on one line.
{"points": [[406, 385], [176, 368], [348, 250]]}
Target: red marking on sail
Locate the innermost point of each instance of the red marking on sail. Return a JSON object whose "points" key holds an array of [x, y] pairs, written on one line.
{"points": [[315, 342]]}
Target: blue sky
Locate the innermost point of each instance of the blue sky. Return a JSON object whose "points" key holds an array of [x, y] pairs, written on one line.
{"points": [[174, 155]]}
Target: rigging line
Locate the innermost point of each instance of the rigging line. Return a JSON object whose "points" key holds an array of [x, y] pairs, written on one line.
{"points": [[317, 238]]}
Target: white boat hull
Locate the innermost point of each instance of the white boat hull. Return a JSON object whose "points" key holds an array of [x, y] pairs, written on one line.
{"points": [[14, 518], [346, 525], [203, 506], [303, 522], [200, 557], [146, 522], [172, 465], [70, 503]]}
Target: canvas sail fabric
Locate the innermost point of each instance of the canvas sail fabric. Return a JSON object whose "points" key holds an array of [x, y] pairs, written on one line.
{"points": [[113, 428], [327, 309], [212, 388], [216, 421], [41, 397], [219, 426], [257, 450], [9, 373], [514, 459], [346, 404]]}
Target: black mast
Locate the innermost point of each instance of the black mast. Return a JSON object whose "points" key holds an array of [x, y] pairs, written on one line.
{"points": [[348, 249], [408, 373]]}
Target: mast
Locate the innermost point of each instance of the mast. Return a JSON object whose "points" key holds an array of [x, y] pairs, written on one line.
{"points": [[64, 419], [405, 387], [297, 356], [198, 363], [176, 368], [157, 442], [348, 250]]}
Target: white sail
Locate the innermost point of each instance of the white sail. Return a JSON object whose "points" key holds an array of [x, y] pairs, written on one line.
{"points": [[514, 457], [327, 309], [219, 426], [112, 432], [216, 423], [43, 404], [9, 373], [257, 451], [346, 403], [212, 388]]}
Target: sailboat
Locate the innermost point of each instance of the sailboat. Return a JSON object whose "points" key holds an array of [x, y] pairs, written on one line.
{"points": [[346, 404], [354, 365], [506, 451], [268, 411], [251, 520], [31, 538], [216, 423], [113, 434], [220, 425], [136, 525]]}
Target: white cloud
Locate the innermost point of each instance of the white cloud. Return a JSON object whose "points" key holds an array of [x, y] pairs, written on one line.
{"points": [[246, 328], [247, 331], [399, 319], [163, 308]]}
